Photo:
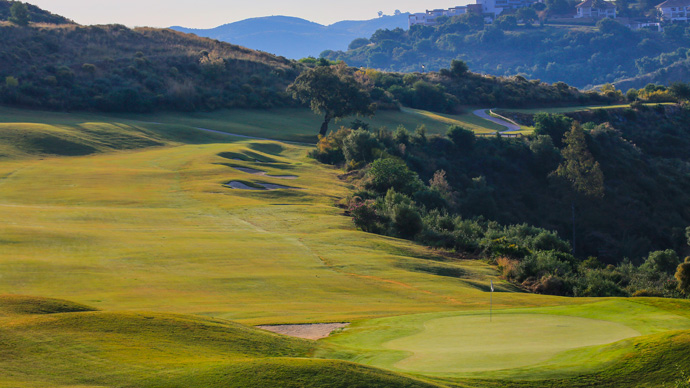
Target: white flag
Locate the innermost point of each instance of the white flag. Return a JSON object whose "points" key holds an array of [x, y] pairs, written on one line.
{"points": [[492, 286]]}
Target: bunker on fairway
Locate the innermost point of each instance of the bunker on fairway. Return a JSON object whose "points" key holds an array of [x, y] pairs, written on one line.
{"points": [[470, 343]]}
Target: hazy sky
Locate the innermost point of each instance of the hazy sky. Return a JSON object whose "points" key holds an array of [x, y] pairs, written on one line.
{"points": [[212, 13]]}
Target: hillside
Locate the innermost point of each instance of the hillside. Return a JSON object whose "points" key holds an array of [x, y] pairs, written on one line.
{"points": [[72, 344], [36, 15], [114, 68], [294, 37], [582, 56], [139, 235]]}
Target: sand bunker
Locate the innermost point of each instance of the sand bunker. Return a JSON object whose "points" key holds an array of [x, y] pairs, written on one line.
{"points": [[271, 186], [264, 186], [311, 331], [263, 173], [242, 186]]}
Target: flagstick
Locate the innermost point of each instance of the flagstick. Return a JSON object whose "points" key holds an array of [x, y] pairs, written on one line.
{"points": [[491, 302]]}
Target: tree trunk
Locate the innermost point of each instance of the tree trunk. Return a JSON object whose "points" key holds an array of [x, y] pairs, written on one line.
{"points": [[324, 126], [572, 205]]}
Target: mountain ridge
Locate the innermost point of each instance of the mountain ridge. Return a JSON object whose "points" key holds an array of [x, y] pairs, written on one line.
{"points": [[294, 37]]}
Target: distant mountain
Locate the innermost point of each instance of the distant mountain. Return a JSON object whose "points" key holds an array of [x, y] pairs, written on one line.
{"points": [[36, 15], [294, 37]]}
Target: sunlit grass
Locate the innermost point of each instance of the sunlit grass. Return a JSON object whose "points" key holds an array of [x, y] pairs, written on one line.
{"points": [[143, 222]]}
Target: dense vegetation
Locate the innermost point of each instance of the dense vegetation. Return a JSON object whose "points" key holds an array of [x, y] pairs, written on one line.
{"points": [[579, 56], [637, 204], [114, 68], [35, 14]]}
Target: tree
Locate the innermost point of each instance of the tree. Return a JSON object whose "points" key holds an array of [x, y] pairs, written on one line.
{"points": [[330, 91], [580, 169], [554, 125], [357, 43], [662, 261], [393, 174], [527, 14], [20, 14], [458, 68], [683, 276], [463, 138]]}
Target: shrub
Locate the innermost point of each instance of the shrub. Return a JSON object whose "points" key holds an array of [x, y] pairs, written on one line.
{"points": [[365, 215], [407, 221], [462, 138], [683, 277], [359, 146], [662, 261], [394, 174]]}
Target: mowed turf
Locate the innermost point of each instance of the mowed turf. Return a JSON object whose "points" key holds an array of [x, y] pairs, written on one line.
{"points": [[55, 343], [155, 228], [470, 344], [145, 225], [513, 344]]}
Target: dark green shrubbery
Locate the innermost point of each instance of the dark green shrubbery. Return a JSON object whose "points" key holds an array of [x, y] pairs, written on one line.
{"points": [[442, 192]]}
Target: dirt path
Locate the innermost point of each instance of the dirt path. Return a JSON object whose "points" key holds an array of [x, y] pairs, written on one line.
{"points": [[312, 331]]}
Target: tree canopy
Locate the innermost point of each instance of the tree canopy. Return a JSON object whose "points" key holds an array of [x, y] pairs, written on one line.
{"points": [[579, 167], [20, 14], [332, 92]]}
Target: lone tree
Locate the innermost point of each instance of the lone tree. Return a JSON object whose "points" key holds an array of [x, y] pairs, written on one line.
{"points": [[683, 277], [331, 92], [580, 169], [20, 14]]}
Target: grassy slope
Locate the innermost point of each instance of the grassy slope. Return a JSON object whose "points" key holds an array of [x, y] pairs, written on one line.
{"points": [[155, 229], [533, 343], [133, 229], [568, 109], [56, 343], [301, 125]]}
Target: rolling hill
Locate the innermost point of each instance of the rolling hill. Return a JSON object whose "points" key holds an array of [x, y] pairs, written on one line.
{"points": [[296, 38], [114, 68], [147, 229], [36, 14]]}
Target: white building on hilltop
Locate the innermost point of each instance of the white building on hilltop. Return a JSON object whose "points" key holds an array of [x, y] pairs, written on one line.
{"points": [[674, 10], [488, 8], [428, 18], [596, 9]]}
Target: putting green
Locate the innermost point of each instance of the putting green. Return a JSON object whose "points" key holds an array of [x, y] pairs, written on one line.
{"points": [[471, 343]]}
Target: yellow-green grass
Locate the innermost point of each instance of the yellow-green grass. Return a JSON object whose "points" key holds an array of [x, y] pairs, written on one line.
{"points": [[467, 120], [513, 344], [154, 229], [301, 125], [54, 343], [578, 108]]}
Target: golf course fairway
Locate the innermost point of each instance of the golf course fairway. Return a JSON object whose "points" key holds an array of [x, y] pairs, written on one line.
{"points": [[126, 259]]}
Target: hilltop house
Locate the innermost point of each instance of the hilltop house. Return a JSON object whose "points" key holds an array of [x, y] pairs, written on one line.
{"points": [[596, 9], [489, 8], [428, 18], [674, 10]]}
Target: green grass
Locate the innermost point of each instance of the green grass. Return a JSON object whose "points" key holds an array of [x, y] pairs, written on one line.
{"points": [[65, 345], [301, 125], [517, 344], [570, 109], [141, 227]]}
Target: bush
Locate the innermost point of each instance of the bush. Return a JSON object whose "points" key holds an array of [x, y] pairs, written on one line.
{"points": [[365, 215], [394, 174], [462, 138], [359, 146], [662, 261], [407, 222]]}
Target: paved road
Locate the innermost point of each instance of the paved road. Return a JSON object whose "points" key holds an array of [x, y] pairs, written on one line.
{"points": [[511, 127]]}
